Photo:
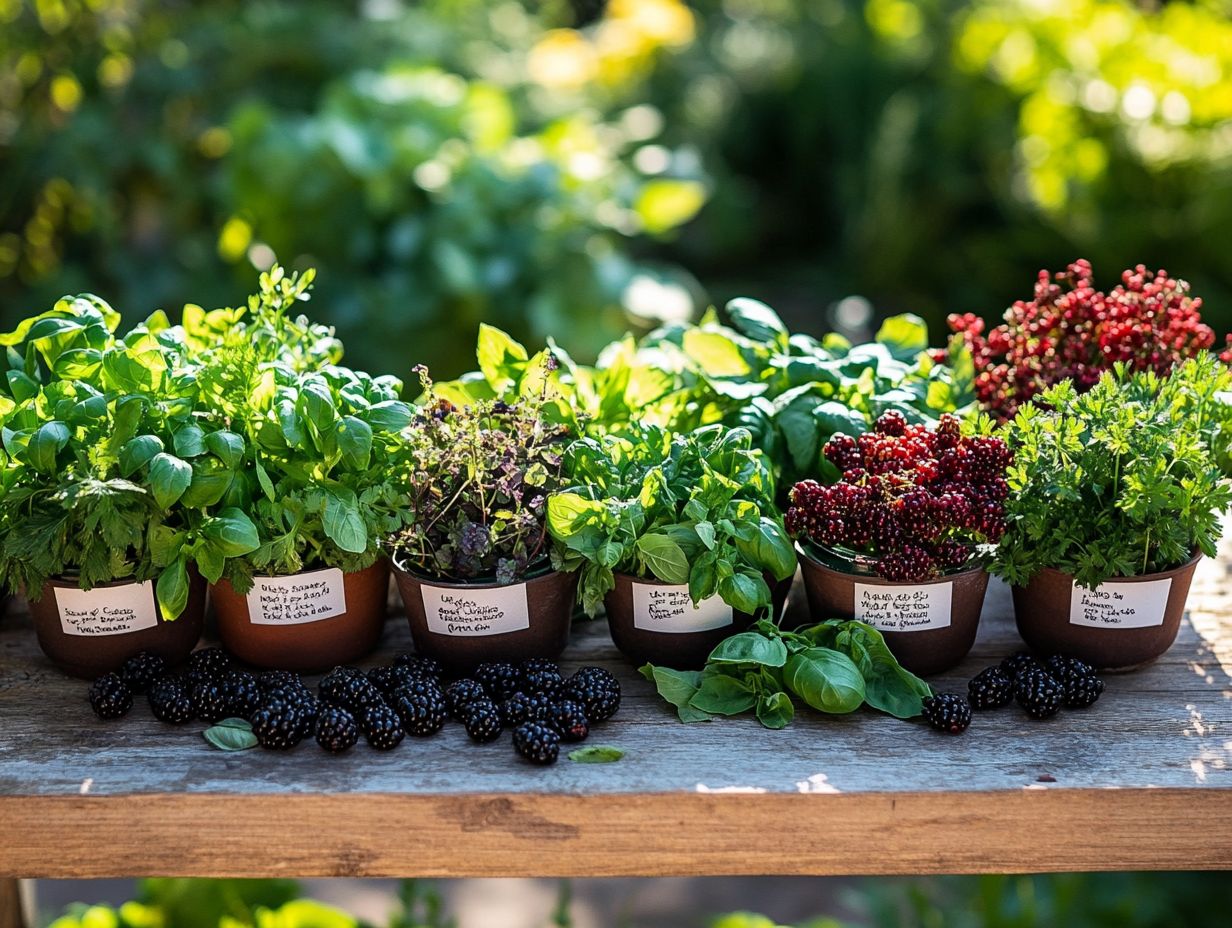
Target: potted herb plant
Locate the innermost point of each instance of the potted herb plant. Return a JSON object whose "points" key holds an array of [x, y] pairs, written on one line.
{"points": [[676, 534], [894, 542], [312, 444], [103, 521], [473, 563], [1116, 494]]}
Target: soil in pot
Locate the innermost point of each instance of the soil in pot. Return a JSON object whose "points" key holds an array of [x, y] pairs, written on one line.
{"points": [[1123, 623], [929, 626], [465, 624], [658, 622], [87, 633], [308, 621]]}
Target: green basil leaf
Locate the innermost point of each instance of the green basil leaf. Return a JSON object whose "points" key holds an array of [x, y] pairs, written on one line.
{"points": [[750, 648], [775, 710], [388, 416], [316, 404], [263, 478], [45, 444], [664, 557], [721, 694], [354, 441], [677, 687], [705, 531], [825, 679], [171, 590], [137, 452], [169, 478], [189, 441], [757, 321], [768, 548], [343, 522], [744, 592], [21, 385], [905, 335], [232, 533], [50, 327], [596, 754], [227, 446], [231, 735], [210, 561], [501, 359]]}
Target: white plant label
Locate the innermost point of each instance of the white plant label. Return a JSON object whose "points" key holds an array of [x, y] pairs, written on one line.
{"points": [[297, 600], [1120, 605], [109, 610], [905, 608], [473, 613], [669, 609]]}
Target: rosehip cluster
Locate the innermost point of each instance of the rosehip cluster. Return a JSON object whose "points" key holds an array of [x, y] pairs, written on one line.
{"points": [[1070, 330], [914, 497]]}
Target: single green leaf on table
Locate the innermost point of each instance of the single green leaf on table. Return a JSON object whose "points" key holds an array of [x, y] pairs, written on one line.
{"points": [[231, 735], [678, 688], [596, 754]]}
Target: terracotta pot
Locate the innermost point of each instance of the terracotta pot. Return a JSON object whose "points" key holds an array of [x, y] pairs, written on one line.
{"points": [[1123, 623], [313, 620], [928, 626], [87, 633], [657, 622], [464, 624]]}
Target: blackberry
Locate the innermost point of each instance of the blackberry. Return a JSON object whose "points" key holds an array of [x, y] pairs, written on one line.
{"points": [[110, 697], [208, 664], [568, 719], [499, 679], [538, 675], [482, 720], [421, 714], [278, 727], [170, 702], [1039, 694], [1067, 669], [336, 730], [947, 712], [991, 688], [536, 742], [1017, 663], [280, 680], [384, 678], [381, 727], [419, 664], [141, 671], [331, 685], [418, 686], [242, 693], [209, 700], [1083, 691], [354, 693], [462, 693], [597, 690], [521, 707]]}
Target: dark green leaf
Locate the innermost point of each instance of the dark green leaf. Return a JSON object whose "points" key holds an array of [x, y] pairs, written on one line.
{"points": [[825, 679], [721, 694], [596, 754], [189, 441], [169, 478], [171, 590], [232, 533], [231, 735], [343, 522], [228, 447], [775, 710], [137, 452], [750, 648], [664, 558]]}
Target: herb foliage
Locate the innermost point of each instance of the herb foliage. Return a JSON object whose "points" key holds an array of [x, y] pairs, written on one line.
{"points": [[833, 667], [1120, 481], [696, 509]]}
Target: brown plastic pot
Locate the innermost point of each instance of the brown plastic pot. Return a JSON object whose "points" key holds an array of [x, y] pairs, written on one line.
{"points": [[682, 650], [832, 595], [83, 646], [464, 624], [301, 642], [1042, 610]]}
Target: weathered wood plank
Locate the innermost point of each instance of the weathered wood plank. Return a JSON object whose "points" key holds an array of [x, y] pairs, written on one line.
{"points": [[1141, 780]]}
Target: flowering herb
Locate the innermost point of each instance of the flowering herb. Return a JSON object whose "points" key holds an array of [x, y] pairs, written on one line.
{"points": [[1070, 330], [916, 499], [694, 509], [477, 478], [1119, 481], [96, 483]]}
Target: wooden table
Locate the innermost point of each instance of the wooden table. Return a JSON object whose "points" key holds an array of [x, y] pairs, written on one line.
{"points": [[1141, 780]]}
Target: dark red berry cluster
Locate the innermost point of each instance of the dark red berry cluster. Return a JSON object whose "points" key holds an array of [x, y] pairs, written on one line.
{"points": [[915, 498], [1070, 330]]}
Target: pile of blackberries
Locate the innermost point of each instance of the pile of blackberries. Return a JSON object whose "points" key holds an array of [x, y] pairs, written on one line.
{"points": [[383, 705], [1040, 686]]}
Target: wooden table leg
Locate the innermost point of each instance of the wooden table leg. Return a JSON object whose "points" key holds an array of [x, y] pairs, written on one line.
{"points": [[12, 907]]}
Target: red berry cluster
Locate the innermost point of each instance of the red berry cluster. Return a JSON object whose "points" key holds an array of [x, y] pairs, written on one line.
{"points": [[1071, 330], [915, 498]]}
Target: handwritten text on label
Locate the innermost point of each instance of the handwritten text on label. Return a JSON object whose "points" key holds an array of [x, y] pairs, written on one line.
{"points": [[107, 610], [661, 608], [297, 600], [467, 613], [904, 608], [1120, 605]]}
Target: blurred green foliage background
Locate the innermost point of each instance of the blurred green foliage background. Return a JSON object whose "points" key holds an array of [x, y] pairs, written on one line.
{"points": [[581, 168]]}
